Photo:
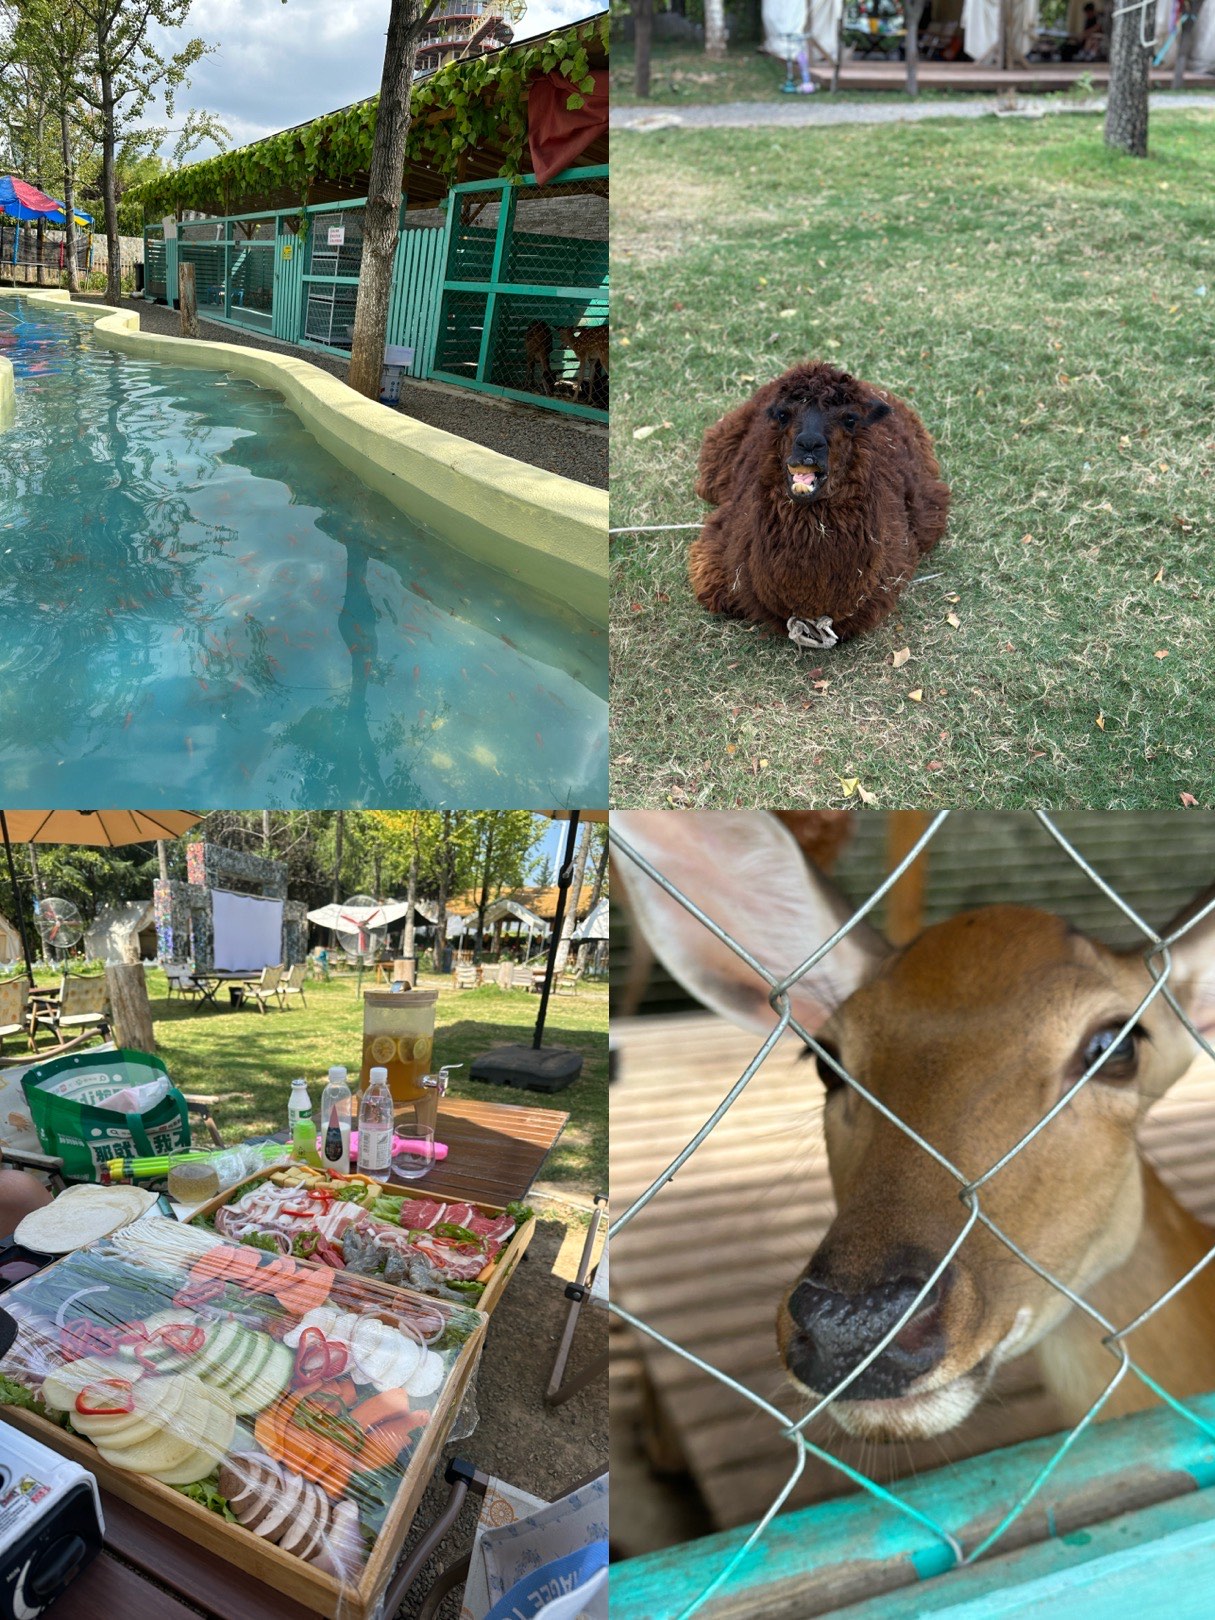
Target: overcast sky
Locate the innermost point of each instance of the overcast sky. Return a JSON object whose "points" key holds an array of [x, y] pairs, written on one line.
{"points": [[276, 65]]}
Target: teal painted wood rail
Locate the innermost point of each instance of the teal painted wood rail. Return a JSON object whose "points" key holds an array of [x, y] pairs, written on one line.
{"points": [[860, 1556]]}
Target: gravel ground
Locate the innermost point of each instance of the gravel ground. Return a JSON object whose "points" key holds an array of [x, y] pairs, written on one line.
{"points": [[577, 450], [798, 111], [518, 1438]]}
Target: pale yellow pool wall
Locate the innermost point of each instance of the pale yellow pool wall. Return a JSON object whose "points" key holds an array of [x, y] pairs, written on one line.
{"points": [[550, 532]]}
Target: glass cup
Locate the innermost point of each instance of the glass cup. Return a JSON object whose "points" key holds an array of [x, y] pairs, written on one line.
{"points": [[416, 1155]]}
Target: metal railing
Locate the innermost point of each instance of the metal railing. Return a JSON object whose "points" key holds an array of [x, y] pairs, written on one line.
{"points": [[1158, 961]]}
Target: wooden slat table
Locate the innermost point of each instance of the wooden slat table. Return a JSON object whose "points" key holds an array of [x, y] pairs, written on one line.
{"points": [[495, 1150], [145, 1570], [707, 1261]]}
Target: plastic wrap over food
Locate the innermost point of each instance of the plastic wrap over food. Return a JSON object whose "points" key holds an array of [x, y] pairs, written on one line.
{"points": [[299, 1402], [444, 1248]]}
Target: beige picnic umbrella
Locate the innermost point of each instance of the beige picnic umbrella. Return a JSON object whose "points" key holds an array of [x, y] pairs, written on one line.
{"points": [[101, 828]]}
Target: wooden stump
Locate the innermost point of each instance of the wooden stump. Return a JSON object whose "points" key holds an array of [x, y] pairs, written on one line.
{"points": [[130, 1011], [187, 299]]}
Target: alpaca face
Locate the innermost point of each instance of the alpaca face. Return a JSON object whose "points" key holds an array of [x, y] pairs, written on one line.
{"points": [[818, 443]]}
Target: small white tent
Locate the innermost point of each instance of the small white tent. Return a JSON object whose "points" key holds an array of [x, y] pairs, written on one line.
{"points": [[123, 933], [10, 941]]}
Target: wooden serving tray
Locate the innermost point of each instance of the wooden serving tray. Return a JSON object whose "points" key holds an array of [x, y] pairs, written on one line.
{"points": [[504, 1264], [247, 1551]]}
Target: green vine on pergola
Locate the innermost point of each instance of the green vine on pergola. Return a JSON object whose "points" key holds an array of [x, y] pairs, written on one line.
{"points": [[466, 105]]}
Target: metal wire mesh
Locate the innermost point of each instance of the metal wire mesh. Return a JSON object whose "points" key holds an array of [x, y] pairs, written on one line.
{"points": [[1158, 960]]}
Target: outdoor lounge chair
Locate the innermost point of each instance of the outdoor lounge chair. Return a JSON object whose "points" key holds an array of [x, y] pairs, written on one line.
{"points": [[266, 988], [466, 978], [292, 984], [14, 1009], [183, 981], [569, 980], [82, 1007]]}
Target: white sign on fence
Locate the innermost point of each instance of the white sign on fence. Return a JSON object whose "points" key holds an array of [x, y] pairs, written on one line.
{"points": [[396, 354], [337, 235]]}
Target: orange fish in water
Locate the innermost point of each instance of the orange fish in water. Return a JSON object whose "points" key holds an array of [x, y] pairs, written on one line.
{"points": [[202, 683], [273, 661], [367, 667], [539, 740], [178, 633], [425, 595], [417, 670], [129, 718]]}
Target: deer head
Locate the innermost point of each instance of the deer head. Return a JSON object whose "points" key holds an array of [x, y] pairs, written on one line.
{"points": [[968, 1035]]}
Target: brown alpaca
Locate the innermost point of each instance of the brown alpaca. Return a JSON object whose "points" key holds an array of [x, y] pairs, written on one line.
{"points": [[537, 349], [590, 346], [827, 494]]}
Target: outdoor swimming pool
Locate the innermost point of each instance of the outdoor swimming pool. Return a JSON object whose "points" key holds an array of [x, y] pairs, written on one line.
{"points": [[194, 594]]}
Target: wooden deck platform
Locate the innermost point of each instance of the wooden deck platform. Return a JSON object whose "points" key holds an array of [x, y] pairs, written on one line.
{"points": [[706, 1262], [861, 73]]}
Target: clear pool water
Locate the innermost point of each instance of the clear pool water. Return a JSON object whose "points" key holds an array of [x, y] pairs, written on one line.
{"points": [[200, 606]]}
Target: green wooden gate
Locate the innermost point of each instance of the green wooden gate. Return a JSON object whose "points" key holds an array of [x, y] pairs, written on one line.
{"points": [[525, 291]]}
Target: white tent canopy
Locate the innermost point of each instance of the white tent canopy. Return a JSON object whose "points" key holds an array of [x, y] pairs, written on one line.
{"points": [[501, 909], [381, 916], [113, 935], [595, 924], [10, 941]]}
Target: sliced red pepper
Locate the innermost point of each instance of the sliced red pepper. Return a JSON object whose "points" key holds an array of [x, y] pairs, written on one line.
{"points": [[199, 1291], [317, 1359], [114, 1405], [83, 1337], [181, 1336]]}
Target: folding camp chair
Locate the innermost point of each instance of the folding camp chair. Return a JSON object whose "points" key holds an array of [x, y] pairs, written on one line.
{"points": [[591, 1283], [183, 981], [266, 988], [82, 1007], [292, 984], [14, 1010]]}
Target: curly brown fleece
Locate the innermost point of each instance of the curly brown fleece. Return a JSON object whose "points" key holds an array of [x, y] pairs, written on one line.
{"points": [[765, 557]]}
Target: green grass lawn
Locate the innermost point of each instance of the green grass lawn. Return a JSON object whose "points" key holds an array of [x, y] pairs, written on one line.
{"points": [[1036, 299], [222, 1051]]}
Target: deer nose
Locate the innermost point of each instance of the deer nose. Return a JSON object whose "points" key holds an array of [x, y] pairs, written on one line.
{"points": [[835, 1331]]}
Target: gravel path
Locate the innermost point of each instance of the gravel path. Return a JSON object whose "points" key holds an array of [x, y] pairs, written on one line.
{"points": [[577, 450], [800, 111]]}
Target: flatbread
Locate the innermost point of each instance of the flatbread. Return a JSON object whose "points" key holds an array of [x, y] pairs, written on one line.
{"points": [[80, 1215]]}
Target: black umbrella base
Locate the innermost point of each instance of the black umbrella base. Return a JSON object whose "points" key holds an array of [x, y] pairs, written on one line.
{"points": [[552, 1068]]}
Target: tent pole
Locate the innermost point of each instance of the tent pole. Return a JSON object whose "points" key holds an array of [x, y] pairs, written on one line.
{"points": [[12, 877], [564, 879]]}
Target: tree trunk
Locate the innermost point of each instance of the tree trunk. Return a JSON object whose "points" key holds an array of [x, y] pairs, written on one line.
{"points": [[715, 29], [643, 30], [35, 874], [570, 921], [1126, 118], [911, 44], [408, 942], [382, 215], [113, 271], [444, 879], [338, 830], [69, 200], [266, 831], [489, 855], [588, 945], [130, 1012], [187, 300], [162, 857]]}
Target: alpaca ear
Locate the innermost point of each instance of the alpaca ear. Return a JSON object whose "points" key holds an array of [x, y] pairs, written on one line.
{"points": [[877, 410], [746, 872]]}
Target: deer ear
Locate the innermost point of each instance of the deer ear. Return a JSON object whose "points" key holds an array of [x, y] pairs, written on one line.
{"points": [[746, 872], [1194, 964]]}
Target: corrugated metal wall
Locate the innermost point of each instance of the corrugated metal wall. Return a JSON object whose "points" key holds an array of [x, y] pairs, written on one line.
{"points": [[1157, 860]]}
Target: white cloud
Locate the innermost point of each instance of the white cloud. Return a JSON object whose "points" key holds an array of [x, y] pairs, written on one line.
{"points": [[278, 64]]}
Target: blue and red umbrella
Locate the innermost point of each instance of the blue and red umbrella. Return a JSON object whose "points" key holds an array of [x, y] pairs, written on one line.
{"points": [[20, 200]]}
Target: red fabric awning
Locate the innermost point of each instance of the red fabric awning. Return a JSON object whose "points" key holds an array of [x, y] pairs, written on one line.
{"points": [[556, 136]]}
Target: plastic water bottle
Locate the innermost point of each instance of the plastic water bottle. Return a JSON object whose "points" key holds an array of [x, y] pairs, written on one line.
{"points": [[301, 1125], [336, 1107], [375, 1126]]}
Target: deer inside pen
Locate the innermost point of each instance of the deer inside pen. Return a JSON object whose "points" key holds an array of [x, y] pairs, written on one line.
{"points": [[984, 1087]]}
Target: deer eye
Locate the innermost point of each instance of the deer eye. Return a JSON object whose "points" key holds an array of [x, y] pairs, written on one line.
{"points": [[831, 1080], [1122, 1057], [779, 415]]}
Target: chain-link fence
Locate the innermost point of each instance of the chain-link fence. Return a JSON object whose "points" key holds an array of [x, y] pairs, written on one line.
{"points": [[1116, 1336]]}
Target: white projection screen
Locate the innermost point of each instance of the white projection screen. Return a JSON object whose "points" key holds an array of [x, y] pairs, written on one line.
{"points": [[248, 931]]}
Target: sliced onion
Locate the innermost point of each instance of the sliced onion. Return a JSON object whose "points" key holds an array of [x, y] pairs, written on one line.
{"points": [[61, 1313]]}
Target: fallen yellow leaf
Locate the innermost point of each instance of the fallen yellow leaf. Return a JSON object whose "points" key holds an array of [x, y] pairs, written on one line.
{"points": [[644, 432], [901, 657], [952, 619], [917, 696], [1162, 652], [849, 785], [1158, 576], [1100, 722], [865, 796]]}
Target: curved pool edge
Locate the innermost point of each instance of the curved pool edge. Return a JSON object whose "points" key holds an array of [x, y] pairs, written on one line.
{"points": [[549, 531]]}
